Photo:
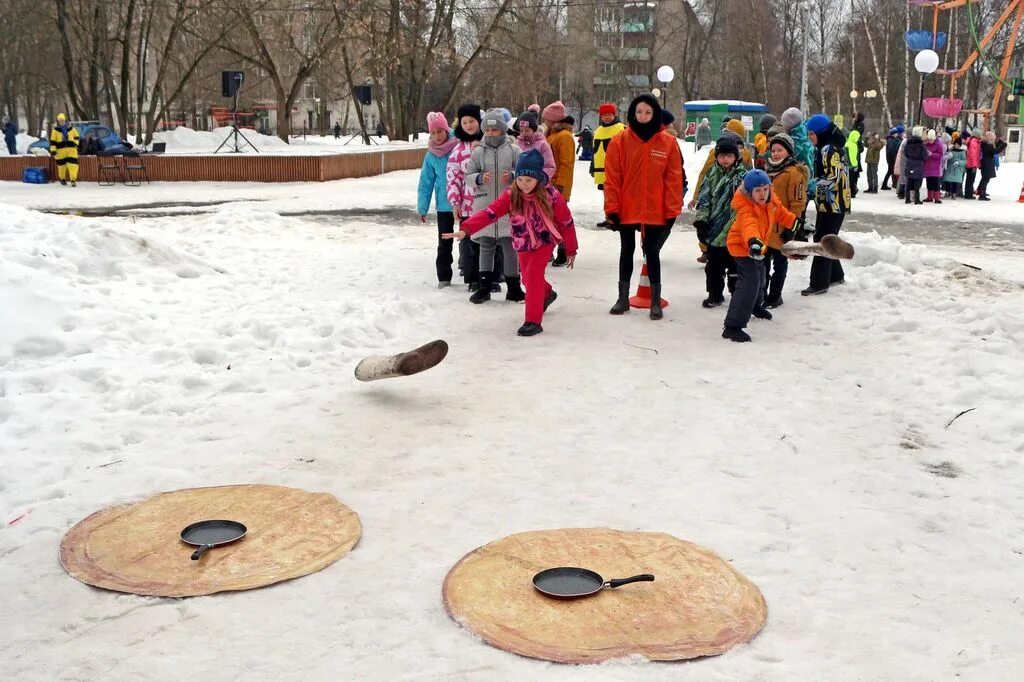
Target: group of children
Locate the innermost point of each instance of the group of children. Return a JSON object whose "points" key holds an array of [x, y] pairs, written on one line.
{"points": [[506, 183], [947, 164]]}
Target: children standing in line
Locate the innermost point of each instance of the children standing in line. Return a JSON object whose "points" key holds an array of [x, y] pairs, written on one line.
{"points": [[953, 178], [433, 181], [540, 219], [758, 212], [789, 184], [489, 171], [460, 196], [714, 215]]}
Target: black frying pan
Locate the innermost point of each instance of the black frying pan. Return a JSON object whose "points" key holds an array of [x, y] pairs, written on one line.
{"points": [[569, 582], [208, 534]]}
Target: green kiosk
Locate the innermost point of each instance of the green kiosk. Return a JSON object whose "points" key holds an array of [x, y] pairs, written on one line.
{"points": [[716, 109]]}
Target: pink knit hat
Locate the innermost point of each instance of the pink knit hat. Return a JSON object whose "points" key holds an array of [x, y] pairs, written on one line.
{"points": [[436, 121], [534, 108], [554, 112]]}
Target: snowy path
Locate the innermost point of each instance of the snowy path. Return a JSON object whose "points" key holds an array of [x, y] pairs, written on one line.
{"points": [[817, 459]]}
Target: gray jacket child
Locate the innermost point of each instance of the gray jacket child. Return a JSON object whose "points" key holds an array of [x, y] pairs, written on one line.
{"points": [[500, 161]]}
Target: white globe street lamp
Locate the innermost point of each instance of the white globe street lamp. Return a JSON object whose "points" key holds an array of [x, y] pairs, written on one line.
{"points": [[665, 74], [926, 62]]}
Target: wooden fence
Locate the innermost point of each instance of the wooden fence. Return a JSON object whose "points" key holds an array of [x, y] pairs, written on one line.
{"points": [[239, 168]]}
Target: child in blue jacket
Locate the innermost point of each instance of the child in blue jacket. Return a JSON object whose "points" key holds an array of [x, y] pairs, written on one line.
{"points": [[433, 181]]}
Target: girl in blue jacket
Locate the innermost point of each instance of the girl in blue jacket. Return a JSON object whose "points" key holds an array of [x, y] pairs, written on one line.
{"points": [[433, 182]]}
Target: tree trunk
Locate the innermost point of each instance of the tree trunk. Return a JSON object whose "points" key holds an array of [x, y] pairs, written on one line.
{"points": [[878, 74]]}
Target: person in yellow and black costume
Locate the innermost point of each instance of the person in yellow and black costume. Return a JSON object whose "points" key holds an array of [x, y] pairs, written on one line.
{"points": [[609, 128], [64, 149]]}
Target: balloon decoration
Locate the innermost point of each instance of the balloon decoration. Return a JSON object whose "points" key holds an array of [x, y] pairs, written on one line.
{"points": [[941, 107], [922, 40]]}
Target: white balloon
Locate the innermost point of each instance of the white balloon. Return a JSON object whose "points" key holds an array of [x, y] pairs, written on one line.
{"points": [[926, 61], [666, 74]]}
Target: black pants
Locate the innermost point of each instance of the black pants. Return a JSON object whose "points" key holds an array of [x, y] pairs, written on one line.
{"points": [[776, 267], [11, 149], [719, 267], [934, 184], [443, 263], [888, 174], [749, 292], [651, 242], [854, 177], [872, 177], [983, 186], [469, 260], [969, 182], [826, 271], [913, 188]]}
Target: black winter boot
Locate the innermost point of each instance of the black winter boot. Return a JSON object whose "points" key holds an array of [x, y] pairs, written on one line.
{"points": [[735, 334], [530, 329], [483, 291], [762, 313], [656, 312], [515, 291], [550, 298], [622, 302]]}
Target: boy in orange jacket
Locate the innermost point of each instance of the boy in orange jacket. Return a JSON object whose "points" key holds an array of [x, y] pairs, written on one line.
{"points": [[758, 212]]}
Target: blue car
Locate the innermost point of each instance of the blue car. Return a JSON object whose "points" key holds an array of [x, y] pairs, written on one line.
{"points": [[95, 138]]}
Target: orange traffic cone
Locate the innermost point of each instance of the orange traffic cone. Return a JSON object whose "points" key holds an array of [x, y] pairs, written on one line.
{"points": [[1020, 200], [643, 291]]}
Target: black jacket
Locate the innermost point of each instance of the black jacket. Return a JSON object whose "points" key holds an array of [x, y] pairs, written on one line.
{"points": [[892, 148], [914, 156]]}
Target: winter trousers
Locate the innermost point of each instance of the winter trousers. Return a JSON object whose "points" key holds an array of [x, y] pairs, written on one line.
{"points": [[749, 292], [532, 264], [469, 260], [889, 175], [872, 177], [488, 246], [443, 263], [651, 241], [972, 173], [67, 169], [983, 186], [934, 184], [826, 271], [719, 267], [913, 188], [776, 266], [854, 177], [11, 148]]}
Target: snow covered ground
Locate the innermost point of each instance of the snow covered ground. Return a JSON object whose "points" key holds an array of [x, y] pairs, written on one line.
{"points": [[141, 354]]}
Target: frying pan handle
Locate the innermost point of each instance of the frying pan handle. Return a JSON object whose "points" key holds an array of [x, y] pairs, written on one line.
{"points": [[646, 577], [202, 550]]}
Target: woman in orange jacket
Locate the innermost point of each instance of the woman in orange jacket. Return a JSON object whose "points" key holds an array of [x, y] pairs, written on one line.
{"points": [[758, 212], [643, 190]]}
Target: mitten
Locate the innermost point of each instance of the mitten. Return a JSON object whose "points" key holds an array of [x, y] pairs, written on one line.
{"points": [[613, 218], [756, 249]]}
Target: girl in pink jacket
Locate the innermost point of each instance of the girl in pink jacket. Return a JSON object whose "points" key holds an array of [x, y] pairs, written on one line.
{"points": [[973, 161], [460, 196], [530, 137], [540, 221]]}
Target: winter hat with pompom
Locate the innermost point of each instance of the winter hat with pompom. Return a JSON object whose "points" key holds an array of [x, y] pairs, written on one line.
{"points": [[535, 108], [436, 121], [531, 164], [818, 123], [754, 179], [792, 117], [554, 112]]}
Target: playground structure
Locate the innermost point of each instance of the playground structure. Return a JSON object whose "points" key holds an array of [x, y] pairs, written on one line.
{"points": [[942, 107]]}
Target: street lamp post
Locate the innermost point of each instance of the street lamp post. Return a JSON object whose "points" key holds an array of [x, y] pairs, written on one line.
{"points": [[665, 74], [926, 62]]}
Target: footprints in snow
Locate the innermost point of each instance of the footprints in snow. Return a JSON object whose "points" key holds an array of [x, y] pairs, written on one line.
{"points": [[913, 439]]}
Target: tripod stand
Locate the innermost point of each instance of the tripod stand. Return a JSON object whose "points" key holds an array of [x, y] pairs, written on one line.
{"points": [[235, 134]]}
